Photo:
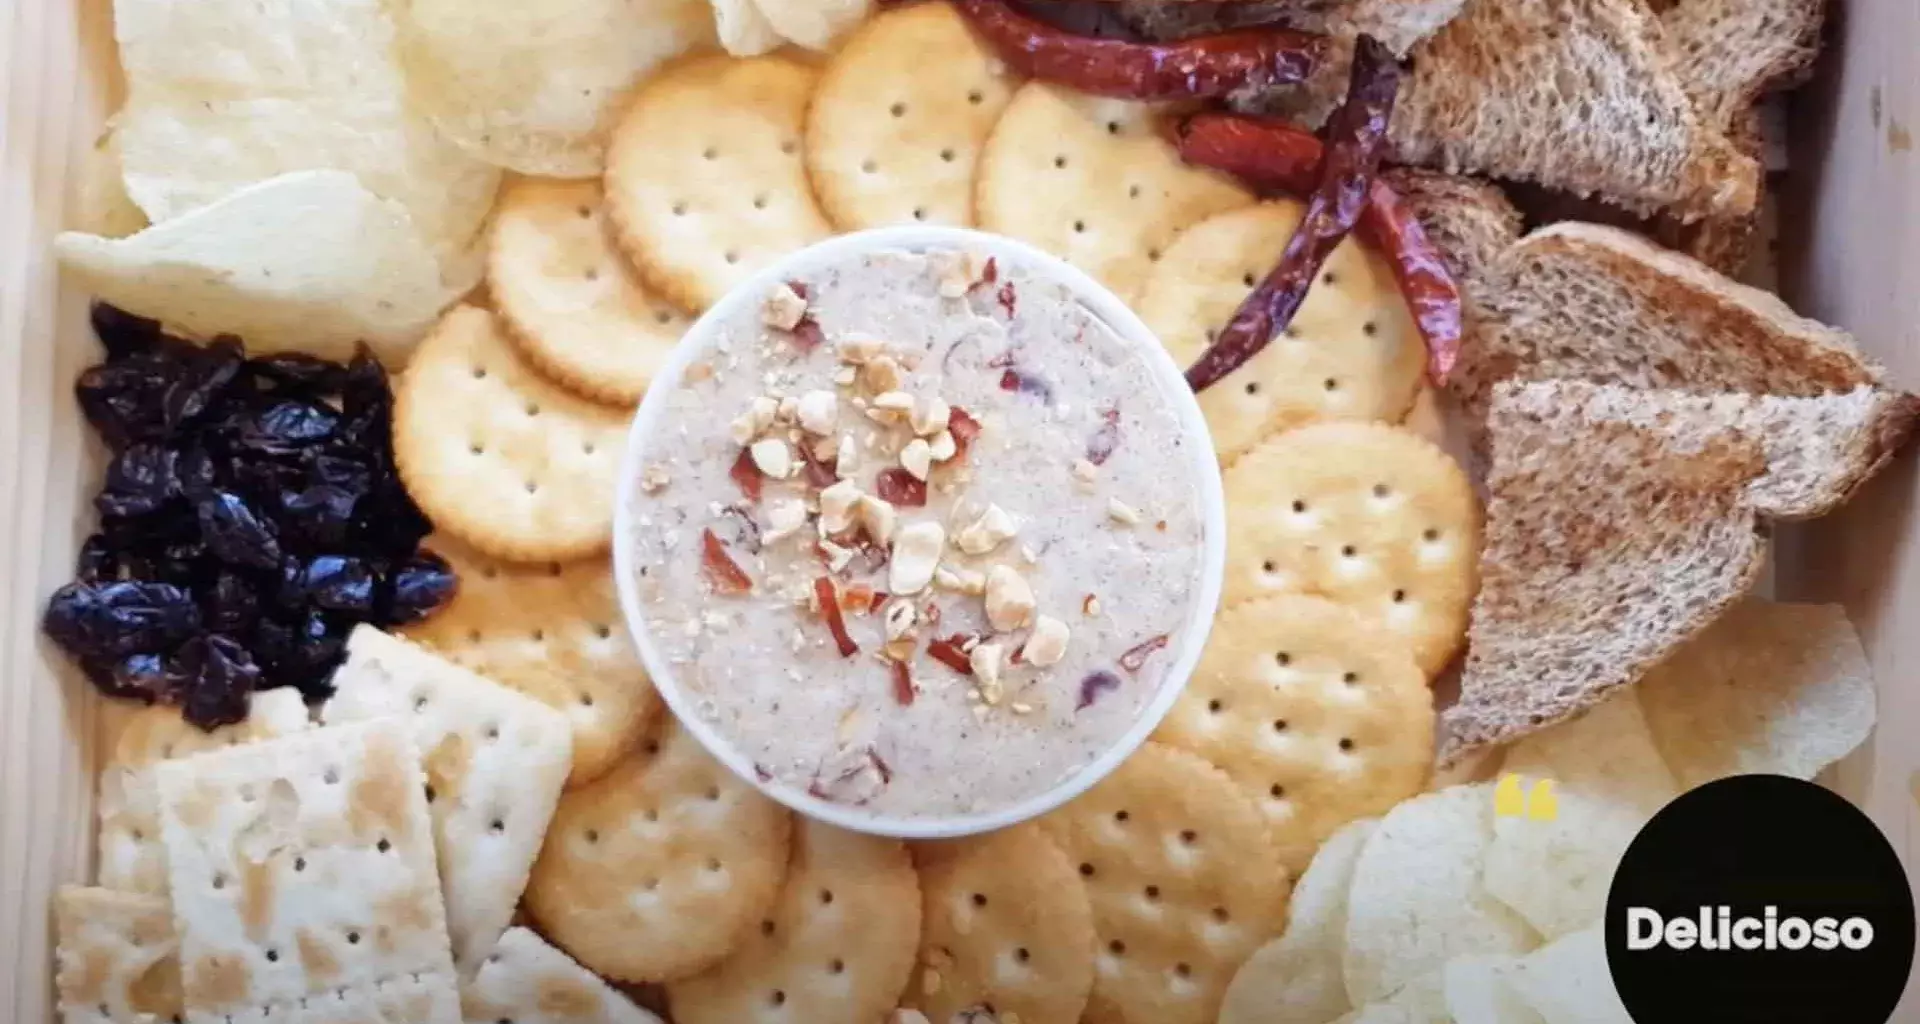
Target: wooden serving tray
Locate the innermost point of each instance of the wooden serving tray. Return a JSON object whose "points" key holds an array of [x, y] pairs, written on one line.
{"points": [[1849, 254]]}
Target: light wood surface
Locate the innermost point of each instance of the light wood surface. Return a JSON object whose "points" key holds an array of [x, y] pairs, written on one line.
{"points": [[1851, 255], [53, 98]]}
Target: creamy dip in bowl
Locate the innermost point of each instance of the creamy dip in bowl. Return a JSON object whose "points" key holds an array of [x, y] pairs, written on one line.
{"points": [[920, 531]]}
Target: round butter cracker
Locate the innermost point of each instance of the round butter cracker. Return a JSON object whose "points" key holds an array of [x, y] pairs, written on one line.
{"points": [[838, 945], [1369, 516], [1008, 925], [1184, 883], [552, 631], [1353, 352], [498, 455], [705, 179], [1321, 717], [657, 870], [1092, 181], [576, 309], [899, 119]]}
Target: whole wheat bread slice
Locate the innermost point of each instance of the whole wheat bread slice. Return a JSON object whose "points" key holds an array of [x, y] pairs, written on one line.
{"points": [[1818, 450], [1588, 302], [1608, 545], [1577, 95], [1729, 53]]}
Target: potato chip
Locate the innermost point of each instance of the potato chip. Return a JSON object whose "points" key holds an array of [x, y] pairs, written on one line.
{"points": [[227, 93], [1420, 1001], [1417, 901], [309, 261], [1606, 781], [1478, 991], [1568, 982], [814, 24], [1780, 688], [1296, 979], [534, 87]]}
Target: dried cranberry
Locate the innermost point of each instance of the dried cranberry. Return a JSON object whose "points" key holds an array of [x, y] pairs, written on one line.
{"points": [[746, 475], [1007, 298], [1012, 379], [964, 429], [829, 601], [1101, 446], [724, 575]]}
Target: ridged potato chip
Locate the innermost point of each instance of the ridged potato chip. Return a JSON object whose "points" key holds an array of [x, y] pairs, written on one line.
{"points": [[228, 93], [534, 87], [309, 262]]}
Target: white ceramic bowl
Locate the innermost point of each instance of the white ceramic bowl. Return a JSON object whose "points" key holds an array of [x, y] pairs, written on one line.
{"points": [[1185, 647]]}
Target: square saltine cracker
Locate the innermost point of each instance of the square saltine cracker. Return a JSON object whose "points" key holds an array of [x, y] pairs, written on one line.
{"points": [[496, 761], [115, 963], [302, 867]]}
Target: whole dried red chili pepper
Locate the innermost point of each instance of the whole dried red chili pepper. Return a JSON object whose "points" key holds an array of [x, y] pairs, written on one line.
{"points": [[1274, 154], [1356, 135], [1202, 67]]}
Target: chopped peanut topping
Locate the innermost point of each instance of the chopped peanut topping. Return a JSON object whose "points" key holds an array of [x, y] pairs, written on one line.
{"points": [[774, 458], [818, 412], [784, 308], [1048, 643], [917, 458], [993, 528], [916, 554], [1010, 600]]}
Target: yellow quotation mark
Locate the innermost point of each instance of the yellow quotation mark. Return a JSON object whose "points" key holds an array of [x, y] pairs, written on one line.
{"points": [[1511, 799]]}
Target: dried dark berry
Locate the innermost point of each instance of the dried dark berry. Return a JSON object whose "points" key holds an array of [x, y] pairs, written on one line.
{"points": [[97, 561], [366, 404], [141, 480], [122, 333], [231, 605], [142, 677], [286, 426], [235, 533], [298, 374], [421, 584], [119, 617], [218, 677], [334, 583], [125, 402], [201, 376]]}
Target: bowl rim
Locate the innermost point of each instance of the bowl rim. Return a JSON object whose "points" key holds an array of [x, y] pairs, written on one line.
{"points": [[1103, 304]]}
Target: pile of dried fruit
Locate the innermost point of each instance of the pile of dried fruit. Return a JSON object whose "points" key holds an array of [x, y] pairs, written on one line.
{"points": [[249, 519]]}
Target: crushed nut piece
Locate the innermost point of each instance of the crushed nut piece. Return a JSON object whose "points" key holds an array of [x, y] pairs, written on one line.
{"points": [[959, 272], [929, 416], [993, 528], [964, 581], [1010, 600], [892, 403], [755, 421], [787, 410], [824, 449], [837, 505], [942, 446], [818, 412], [1020, 708], [654, 478], [899, 618], [877, 516], [899, 650], [845, 376], [857, 349], [1085, 471], [784, 308], [1048, 643], [1090, 606], [917, 458], [1122, 513], [881, 374], [1028, 555], [846, 457], [784, 520], [916, 554], [773, 458], [986, 661], [697, 373]]}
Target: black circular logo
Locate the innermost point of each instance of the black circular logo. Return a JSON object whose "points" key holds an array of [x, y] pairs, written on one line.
{"points": [[1760, 898]]}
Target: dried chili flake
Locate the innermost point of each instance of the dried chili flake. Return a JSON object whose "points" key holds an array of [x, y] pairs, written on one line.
{"points": [[902, 683], [859, 599], [1136, 656], [724, 575], [896, 486], [1020, 382], [829, 602], [819, 473], [1009, 299], [746, 475], [1095, 684], [951, 651], [807, 335], [1101, 446], [964, 429], [760, 772]]}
